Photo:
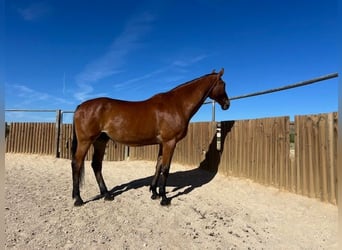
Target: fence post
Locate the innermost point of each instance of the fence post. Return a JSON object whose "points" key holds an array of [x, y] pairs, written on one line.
{"points": [[213, 111], [126, 153], [58, 131]]}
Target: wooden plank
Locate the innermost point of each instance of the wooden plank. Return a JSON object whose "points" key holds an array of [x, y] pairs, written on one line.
{"points": [[287, 154], [35, 138], [313, 155], [298, 152], [322, 172], [19, 145], [31, 138], [268, 152], [293, 176], [275, 157], [13, 135], [332, 163], [40, 144], [260, 155], [66, 141], [16, 136], [307, 164], [27, 135], [240, 130], [23, 146], [271, 153], [9, 139], [334, 157]]}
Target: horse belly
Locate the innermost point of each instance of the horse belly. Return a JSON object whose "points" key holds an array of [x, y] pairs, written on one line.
{"points": [[133, 139], [137, 132]]}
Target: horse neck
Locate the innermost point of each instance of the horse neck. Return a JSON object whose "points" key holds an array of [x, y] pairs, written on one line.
{"points": [[192, 95]]}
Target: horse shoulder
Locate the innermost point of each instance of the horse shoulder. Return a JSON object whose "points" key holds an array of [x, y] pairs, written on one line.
{"points": [[171, 121]]}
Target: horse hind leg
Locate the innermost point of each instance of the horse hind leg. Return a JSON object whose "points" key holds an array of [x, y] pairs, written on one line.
{"points": [[168, 150], [77, 165], [153, 187], [99, 151]]}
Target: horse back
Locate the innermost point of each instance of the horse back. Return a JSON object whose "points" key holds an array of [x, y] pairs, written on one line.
{"points": [[131, 123]]}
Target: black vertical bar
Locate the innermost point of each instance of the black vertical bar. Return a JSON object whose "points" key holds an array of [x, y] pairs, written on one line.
{"points": [[58, 132]]}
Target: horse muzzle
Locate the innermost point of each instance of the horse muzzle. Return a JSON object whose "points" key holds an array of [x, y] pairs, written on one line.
{"points": [[225, 105]]}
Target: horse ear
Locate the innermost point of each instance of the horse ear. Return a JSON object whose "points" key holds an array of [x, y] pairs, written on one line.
{"points": [[213, 71], [221, 72]]}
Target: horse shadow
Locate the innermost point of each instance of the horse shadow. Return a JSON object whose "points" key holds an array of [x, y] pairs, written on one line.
{"points": [[185, 181]]}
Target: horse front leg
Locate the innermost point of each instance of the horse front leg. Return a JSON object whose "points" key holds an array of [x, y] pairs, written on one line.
{"points": [[168, 150], [153, 187]]}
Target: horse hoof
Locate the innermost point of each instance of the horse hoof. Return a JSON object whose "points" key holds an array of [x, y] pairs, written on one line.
{"points": [[165, 202], [78, 203], [155, 196], [109, 197]]}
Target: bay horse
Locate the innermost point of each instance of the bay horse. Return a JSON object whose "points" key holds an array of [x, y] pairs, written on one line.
{"points": [[162, 119]]}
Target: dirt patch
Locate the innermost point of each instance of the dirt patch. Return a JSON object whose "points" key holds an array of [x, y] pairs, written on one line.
{"points": [[206, 212]]}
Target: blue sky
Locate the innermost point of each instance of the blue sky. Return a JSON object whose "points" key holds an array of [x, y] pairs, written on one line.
{"points": [[60, 53]]}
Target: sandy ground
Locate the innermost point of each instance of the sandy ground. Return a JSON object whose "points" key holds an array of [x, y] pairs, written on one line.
{"points": [[206, 211]]}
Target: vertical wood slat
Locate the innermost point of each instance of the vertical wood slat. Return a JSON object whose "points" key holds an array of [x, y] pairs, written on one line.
{"points": [[298, 151], [24, 134], [321, 175], [332, 157], [17, 136]]}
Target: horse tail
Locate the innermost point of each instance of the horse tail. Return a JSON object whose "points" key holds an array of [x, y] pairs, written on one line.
{"points": [[74, 138], [74, 149]]}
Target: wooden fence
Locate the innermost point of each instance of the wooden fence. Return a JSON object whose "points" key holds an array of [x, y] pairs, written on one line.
{"points": [[31, 138], [41, 138], [314, 172], [257, 149]]}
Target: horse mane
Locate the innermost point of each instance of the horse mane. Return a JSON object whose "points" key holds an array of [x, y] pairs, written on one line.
{"points": [[190, 82], [185, 84]]}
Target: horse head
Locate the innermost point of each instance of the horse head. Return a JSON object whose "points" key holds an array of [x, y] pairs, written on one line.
{"points": [[218, 91]]}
